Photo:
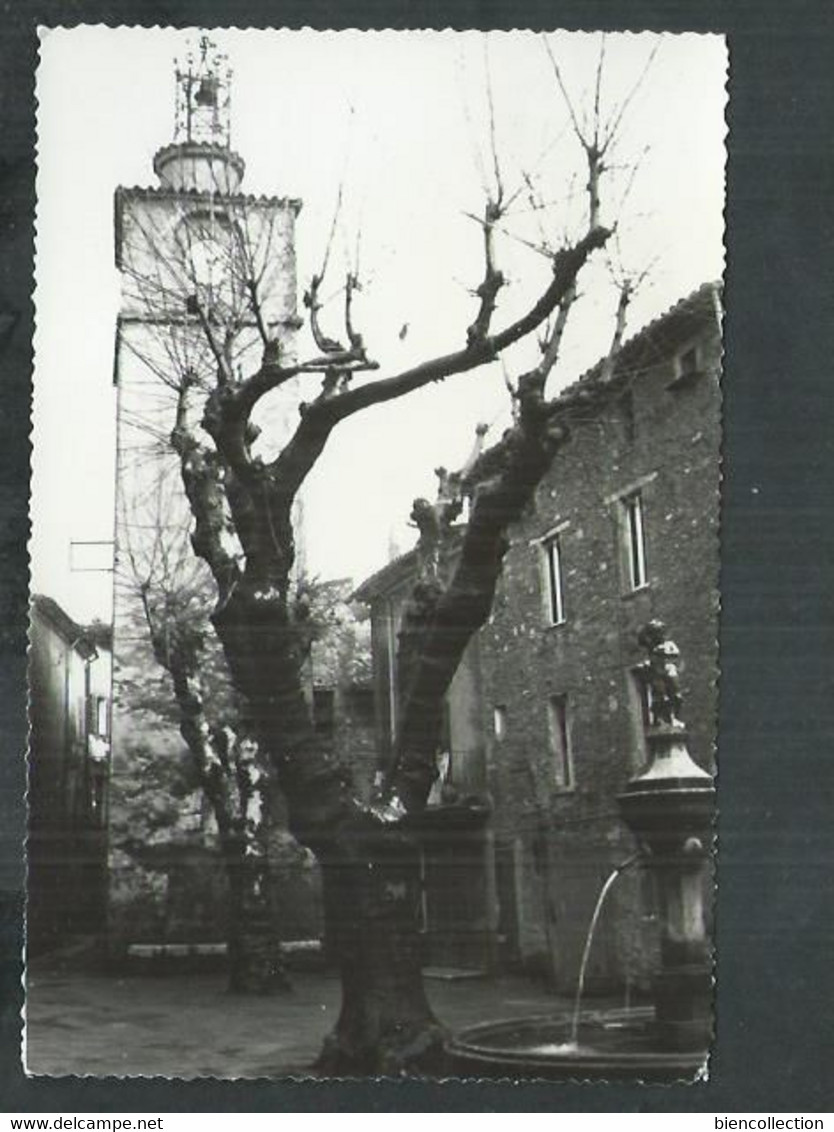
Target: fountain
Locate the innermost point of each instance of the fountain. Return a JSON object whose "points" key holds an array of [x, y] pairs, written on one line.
{"points": [[668, 808]]}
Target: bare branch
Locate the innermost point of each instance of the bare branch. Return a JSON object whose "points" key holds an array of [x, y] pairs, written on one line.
{"points": [[550, 352], [566, 265], [352, 284], [541, 249], [256, 310], [595, 170], [496, 166], [224, 371], [597, 89], [311, 301], [577, 129], [319, 418], [598, 145], [493, 280], [332, 234], [633, 171], [614, 127], [626, 291]]}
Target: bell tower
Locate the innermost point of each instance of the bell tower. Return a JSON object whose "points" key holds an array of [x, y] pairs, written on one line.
{"points": [[200, 158], [197, 234], [201, 262]]}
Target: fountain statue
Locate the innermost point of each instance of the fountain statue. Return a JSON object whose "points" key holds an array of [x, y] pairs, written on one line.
{"points": [[669, 809]]}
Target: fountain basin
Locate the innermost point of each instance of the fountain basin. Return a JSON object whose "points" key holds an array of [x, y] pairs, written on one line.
{"points": [[614, 1045]]}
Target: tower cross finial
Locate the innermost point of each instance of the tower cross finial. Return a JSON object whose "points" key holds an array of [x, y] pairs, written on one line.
{"points": [[203, 95]]}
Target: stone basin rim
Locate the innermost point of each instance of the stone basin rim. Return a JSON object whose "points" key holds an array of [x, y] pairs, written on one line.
{"points": [[588, 1058]]}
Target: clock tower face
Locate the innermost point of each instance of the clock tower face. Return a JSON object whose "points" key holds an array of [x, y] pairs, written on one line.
{"points": [[210, 264], [206, 260]]}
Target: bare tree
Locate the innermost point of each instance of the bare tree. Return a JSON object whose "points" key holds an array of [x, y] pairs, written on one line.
{"points": [[241, 510], [231, 768]]}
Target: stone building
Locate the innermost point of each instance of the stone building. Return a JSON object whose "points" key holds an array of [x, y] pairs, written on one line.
{"points": [[546, 714], [69, 765]]}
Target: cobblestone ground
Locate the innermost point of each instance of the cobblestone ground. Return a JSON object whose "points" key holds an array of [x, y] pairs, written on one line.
{"points": [[82, 1023]]}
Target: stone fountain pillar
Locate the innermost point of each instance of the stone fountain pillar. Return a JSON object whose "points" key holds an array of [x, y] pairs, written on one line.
{"points": [[669, 808]]}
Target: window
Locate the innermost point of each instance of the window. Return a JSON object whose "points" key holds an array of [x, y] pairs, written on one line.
{"points": [[635, 542], [628, 516], [559, 736], [102, 717], [97, 716], [549, 546], [553, 573], [688, 363], [687, 368], [499, 721]]}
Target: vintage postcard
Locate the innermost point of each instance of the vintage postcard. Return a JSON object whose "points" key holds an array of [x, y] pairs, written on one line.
{"points": [[373, 665]]}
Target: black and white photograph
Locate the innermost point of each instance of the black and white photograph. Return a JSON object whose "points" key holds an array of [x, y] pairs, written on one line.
{"points": [[376, 493]]}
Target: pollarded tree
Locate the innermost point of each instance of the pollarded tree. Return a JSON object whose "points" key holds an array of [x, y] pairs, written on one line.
{"points": [[228, 764], [242, 510]]}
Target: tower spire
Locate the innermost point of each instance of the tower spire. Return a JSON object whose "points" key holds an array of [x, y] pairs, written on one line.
{"points": [[200, 158], [203, 95]]}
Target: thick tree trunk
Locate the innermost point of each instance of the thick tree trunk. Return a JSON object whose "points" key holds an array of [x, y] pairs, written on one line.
{"points": [[233, 779], [372, 899], [255, 962]]}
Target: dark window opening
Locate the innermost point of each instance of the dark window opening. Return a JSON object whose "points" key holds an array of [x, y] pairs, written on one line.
{"points": [[555, 593], [688, 363], [635, 542], [559, 734], [102, 718], [687, 368]]}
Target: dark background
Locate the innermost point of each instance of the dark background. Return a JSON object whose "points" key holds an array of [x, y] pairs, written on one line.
{"points": [[776, 826]]}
